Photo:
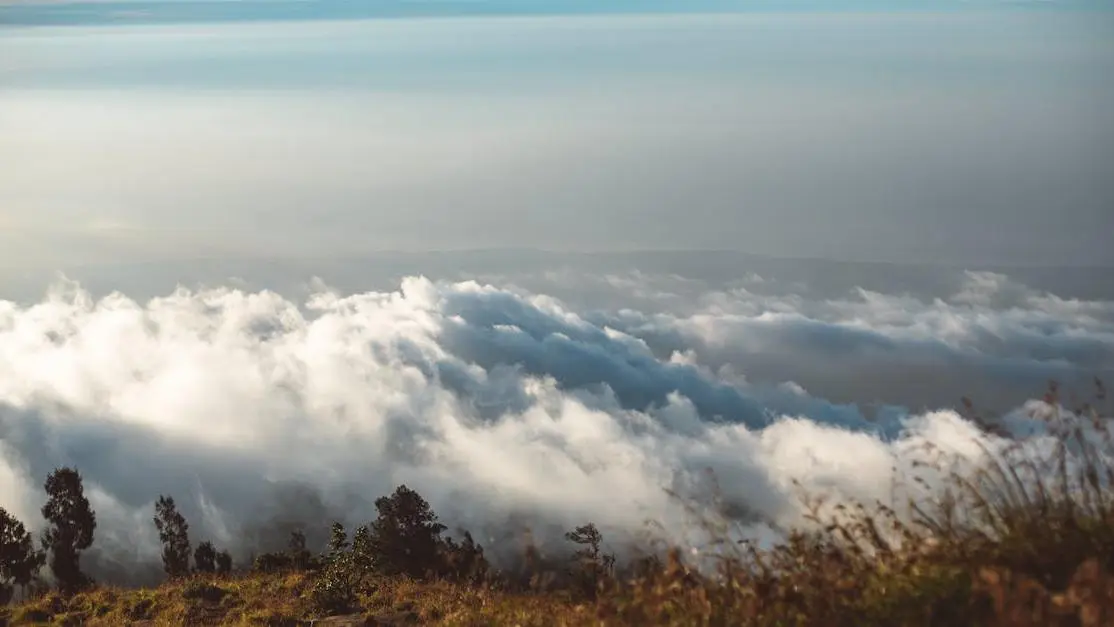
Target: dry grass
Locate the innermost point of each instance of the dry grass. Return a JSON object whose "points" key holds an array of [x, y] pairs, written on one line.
{"points": [[282, 599]]}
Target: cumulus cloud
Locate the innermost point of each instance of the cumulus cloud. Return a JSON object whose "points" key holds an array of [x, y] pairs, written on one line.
{"points": [[993, 340], [504, 407]]}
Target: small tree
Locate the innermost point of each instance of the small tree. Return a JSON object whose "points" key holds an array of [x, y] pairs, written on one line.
{"points": [[271, 562], [406, 537], [592, 566], [334, 589], [338, 540], [71, 525], [362, 552], [19, 561], [224, 563], [464, 561], [205, 558], [588, 537], [174, 535], [300, 557]]}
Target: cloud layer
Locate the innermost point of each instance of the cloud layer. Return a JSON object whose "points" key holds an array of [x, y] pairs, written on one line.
{"points": [[504, 407]]}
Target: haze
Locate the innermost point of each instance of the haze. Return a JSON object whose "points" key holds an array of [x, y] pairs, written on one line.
{"points": [[978, 137]]}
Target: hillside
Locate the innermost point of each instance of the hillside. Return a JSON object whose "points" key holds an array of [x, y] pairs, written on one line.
{"points": [[284, 599]]}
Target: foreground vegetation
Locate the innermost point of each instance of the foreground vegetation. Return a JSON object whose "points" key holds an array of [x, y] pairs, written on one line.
{"points": [[1027, 539]]}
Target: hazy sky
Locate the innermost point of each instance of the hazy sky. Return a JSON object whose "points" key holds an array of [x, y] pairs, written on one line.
{"points": [[969, 136]]}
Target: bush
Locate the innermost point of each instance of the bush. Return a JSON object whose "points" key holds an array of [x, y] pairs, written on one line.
{"points": [[203, 591], [464, 561], [272, 563], [224, 563], [205, 558], [335, 586]]}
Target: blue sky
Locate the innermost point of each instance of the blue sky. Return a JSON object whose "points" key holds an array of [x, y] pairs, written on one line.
{"points": [[977, 132], [90, 11]]}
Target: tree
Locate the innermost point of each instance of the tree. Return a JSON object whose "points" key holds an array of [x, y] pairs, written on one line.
{"points": [[271, 562], [406, 537], [174, 535], [224, 563], [588, 537], [334, 587], [71, 523], [19, 561], [592, 566], [300, 557], [464, 561], [362, 553], [205, 558], [338, 539]]}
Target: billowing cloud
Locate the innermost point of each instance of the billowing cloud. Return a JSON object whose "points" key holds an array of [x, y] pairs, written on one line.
{"points": [[504, 407]]}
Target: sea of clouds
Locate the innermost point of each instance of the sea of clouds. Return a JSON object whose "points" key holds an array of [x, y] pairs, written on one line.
{"points": [[508, 407]]}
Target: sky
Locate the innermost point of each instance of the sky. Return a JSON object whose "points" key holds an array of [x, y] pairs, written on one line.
{"points": [[274, 258], [978, 133]]}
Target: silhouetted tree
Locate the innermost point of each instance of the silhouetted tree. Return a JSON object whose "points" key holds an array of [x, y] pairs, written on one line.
{"points": [[588, 537], [205, 558], [300, 557], [174, 535], [271, 562], [71, 526], [295, 557], [224, 563], [464, 561], [406, 537], [592, 566], [19, 561]]}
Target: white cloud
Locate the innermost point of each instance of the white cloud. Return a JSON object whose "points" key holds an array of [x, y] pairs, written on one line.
{"points": [[496, 405]]}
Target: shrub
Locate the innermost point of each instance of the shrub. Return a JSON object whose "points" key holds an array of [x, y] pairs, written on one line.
{"points": [[335, 586], [205, 558], [224, 563]]}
